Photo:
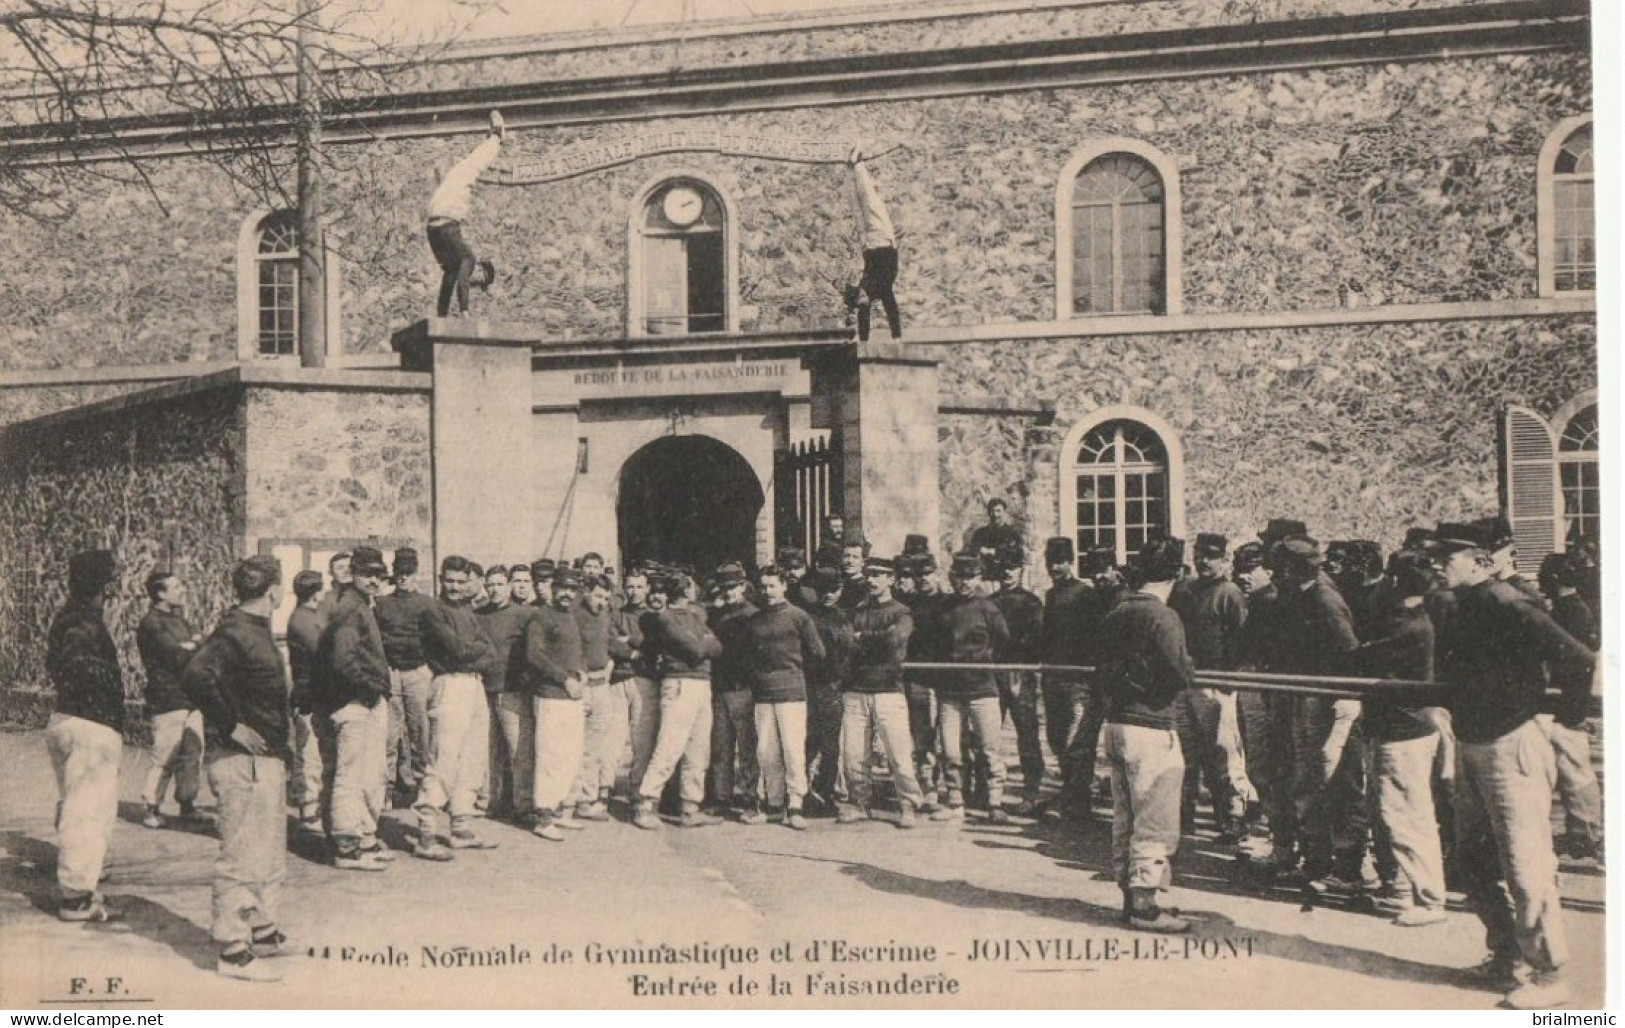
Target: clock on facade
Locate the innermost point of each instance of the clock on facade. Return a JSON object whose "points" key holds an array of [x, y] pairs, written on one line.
{"points": [[683, 206]]}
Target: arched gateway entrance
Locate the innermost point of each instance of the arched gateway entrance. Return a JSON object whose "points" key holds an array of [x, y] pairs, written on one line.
{"points": [[688, 500]]}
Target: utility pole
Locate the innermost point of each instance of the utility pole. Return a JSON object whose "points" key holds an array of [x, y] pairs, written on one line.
{"points": [[312, 255]]}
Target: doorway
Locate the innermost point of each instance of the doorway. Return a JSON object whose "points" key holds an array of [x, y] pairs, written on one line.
{"points": [[688, 500]]}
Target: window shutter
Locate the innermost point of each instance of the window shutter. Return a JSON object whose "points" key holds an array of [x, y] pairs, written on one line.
{"points": [[1529, 476]]}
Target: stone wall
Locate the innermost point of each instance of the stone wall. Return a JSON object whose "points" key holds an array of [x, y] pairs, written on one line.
{"points": [[158, 484], [1313, 189], [1360, 431], [338, 464]]}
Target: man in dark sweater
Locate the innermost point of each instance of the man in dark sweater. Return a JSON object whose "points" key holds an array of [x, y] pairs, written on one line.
{"points": [[973, 632], [792, 560], [1561, 575], [556, 673], [601, 743], [237, 679], [400, 617], [1213, 612], [1023, 614], [166, 642], [1492, 655], [458, 654], [512, 748], [350, 708], [1061, 643], [1142, 668], [780, 642], [676, 637], [824, 678], [735, 778], [873, 697], [304, 635], [1074, 637], [85, 735], [926, 597], [635, 679], [998, 535], [1403, 741], [1265, 718]]}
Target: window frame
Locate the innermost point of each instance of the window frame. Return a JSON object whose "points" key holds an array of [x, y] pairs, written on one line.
{"points": [[1173, 235], [1068, 469], [637, 272], [1546, 204], [1561, 419], [249, 259]]}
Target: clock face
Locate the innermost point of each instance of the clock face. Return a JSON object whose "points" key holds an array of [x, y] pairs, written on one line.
{"points": [[683, 206]]}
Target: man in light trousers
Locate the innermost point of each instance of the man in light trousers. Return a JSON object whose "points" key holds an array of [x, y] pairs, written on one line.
{"points": [[677, 637]]}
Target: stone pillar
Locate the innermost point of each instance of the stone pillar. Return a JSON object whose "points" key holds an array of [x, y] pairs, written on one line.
{"points": [[881, 401], [482, 438]]}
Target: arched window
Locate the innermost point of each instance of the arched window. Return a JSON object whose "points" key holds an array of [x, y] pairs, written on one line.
{"points": [[682, 264], [1567, 211], [1578, 474], [276, 260], [268, 287], [1118, 244], [1120, 483]]}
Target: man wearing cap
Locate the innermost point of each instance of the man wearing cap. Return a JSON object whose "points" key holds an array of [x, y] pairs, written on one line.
{"points": [[873, 696], [304, 635], [166, 642], [780, 642], [636, 716], [974, 632], [926, 646], [599, 761], [1063, 641], [350, 707], [1360, 579], [677, 637], [1561, 576], [1213, 613], [733, 709], [556, 673], [824, 678], [1402, 744], [237, 679], [1492, 656], [792, 562], [1314, 636], [997, 535], [1263, 718], [1023, 614], [85, 734], [400, 615], [459, 654], [512, 749], [1142, 667], [1497, 530], [541, 572]]}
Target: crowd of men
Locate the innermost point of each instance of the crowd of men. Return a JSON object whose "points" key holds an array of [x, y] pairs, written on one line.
{"points": [[532, 692]]}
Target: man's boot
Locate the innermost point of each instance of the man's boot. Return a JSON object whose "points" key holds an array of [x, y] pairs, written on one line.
{"points": [[644, 816], [1145, 915], [694, 817]]}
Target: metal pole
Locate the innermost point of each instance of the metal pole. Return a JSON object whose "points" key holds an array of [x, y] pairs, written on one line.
{"points": [[312, 259]]}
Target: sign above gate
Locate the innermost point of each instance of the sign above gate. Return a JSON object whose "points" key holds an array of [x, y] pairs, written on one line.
{"points": [[582, 158], [622, 380]]}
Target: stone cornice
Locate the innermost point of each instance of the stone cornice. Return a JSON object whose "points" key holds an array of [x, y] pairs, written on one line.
{"points": [[1517, 26]]}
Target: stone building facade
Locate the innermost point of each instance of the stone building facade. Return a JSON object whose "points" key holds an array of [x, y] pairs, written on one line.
{"points": [[1166, 266]]}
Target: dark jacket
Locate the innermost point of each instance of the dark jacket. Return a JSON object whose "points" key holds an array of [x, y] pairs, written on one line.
{"points": [[975, 633], [304, 637], [1573, 615], [1143, 663], [991, 538], [1214, 613], [400, 622], [237, 677], [594, 636], [781, 641], [731, 670], [835, 633], [553, 653], [1024, 615], [162, 639], [854, 593], [82, 664], [454, 643], [678, 639], [1369, 605], [1492, 656], [880, 633], [626, 644], [1313, 629], [350, 664], [505, 627], [1071, 616], [927, 643], [1260, 637], [1401, 647]]}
